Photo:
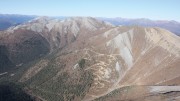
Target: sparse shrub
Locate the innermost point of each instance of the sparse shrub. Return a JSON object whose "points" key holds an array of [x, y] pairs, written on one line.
{"points": [[81, 63]]}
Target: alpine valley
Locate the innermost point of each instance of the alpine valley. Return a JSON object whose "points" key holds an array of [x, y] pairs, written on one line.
{"points": [[85, 59]]}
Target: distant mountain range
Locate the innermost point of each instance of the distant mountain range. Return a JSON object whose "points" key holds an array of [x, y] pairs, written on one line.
{"points": [[8, 20], [172, 26]]}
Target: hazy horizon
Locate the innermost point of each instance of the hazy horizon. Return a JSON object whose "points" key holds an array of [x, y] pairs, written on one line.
{"points": [[155, 10]]}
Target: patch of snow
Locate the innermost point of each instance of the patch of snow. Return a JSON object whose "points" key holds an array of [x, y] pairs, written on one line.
{"points": [[76, 66], [3, 73], [17, 27], [164, 89], [12, 74], [10, 30], [19, 65]]}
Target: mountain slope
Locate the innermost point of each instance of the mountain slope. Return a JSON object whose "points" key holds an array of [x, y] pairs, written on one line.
{"points": [[87, 59]]}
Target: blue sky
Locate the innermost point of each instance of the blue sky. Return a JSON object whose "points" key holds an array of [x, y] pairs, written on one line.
{"points": [[153, 9]]}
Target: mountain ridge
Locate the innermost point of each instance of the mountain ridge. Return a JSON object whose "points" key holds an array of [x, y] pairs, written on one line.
{"points": [[171, 25]]}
